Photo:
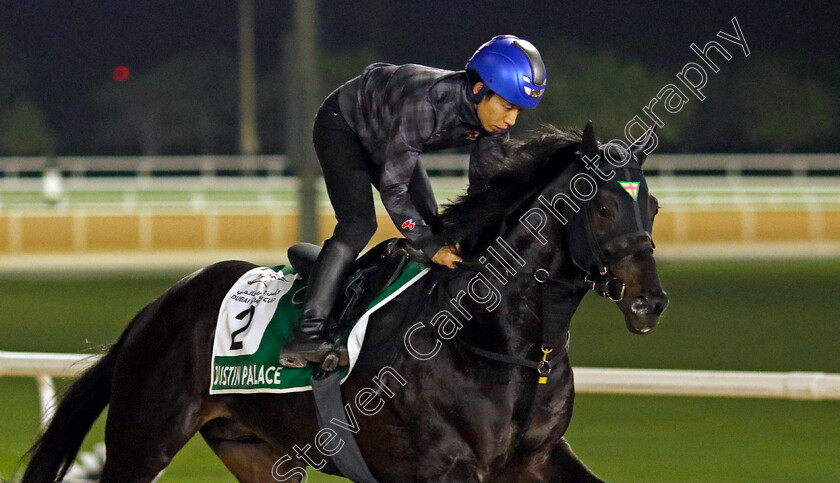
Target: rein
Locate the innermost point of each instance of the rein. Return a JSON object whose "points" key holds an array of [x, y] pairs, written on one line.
{"points": [[590, 253], [560, 299], [561, 296]]}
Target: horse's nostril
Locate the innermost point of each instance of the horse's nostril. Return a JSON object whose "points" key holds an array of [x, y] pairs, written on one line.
{"points": [[659, 303], [640, 306], [649, 305], [658, 307]]}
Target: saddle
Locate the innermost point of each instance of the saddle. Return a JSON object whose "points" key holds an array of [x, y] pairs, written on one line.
{"points": [[370, 274]]}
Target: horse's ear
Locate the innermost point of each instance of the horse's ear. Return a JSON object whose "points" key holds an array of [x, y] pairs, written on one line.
{"points": [[589, 146], [637, 149]]}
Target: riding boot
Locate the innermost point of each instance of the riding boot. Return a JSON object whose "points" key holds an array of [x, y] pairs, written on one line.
{"points": [[309, 342]]}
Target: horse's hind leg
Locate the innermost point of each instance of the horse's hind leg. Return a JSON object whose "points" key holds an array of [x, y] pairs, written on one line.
{"points": [[148, 423], [162, 376], [156, 394], [248, 456]]}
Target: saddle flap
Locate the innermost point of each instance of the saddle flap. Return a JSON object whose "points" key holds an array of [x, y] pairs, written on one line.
{"points": [[372, 273]]}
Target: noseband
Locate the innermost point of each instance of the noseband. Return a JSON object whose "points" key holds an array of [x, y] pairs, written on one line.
{"points": [[599, 278], [605, 283]]}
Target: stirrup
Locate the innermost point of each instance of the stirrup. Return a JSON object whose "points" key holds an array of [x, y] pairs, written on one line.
{"points": [[333, 359], [296, 360], [330, 362], [292, 362], [339, 355]]}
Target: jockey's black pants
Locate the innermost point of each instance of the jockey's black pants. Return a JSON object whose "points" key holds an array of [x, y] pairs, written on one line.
{"points": [[349, 174]]}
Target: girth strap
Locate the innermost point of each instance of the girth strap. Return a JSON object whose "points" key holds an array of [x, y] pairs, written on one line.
{"points": [[329, 406]]}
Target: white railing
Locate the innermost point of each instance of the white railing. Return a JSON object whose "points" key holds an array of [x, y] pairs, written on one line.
{"points": [[669, 382], [677, 193], [683, 182], [653, 382], [43, 366], [214, 165]]}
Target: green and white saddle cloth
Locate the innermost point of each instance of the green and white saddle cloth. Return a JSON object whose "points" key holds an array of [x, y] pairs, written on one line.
{"points": [[258, 314]]}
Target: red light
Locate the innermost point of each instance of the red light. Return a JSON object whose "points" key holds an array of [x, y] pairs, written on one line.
{"points": [[121, 73]]}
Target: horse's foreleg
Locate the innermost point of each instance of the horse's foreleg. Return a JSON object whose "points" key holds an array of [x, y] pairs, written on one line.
{"points": [[564, 465]]}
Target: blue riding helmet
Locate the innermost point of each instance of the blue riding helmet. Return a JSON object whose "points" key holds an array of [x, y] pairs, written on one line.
{"points": [[512, 68]]}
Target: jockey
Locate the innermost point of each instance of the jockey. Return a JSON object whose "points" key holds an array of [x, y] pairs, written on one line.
{"points": [[372, 130]]}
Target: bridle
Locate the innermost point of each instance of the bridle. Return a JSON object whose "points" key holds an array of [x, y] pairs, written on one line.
{"points": [[595, 257], [604, 282], [591, 255], [561, 296]]}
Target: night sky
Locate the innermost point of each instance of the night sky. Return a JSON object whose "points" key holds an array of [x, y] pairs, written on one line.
{"points": [[71, 47]]}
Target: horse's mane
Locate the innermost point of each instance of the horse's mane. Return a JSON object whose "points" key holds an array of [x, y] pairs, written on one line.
{"points": [[531, 163]]}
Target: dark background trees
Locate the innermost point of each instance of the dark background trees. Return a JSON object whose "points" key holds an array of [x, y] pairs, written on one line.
{"points": [[605, 59]]}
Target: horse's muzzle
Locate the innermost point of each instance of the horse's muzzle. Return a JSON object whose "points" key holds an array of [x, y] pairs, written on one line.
{"points": [[645, 311]]}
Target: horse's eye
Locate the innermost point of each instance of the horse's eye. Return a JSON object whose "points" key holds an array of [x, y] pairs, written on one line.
{"points": [[603, 210]]}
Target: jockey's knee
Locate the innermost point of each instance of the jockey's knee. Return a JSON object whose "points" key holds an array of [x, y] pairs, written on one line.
{"points": [[363, 234], [368, 230], [357, 235]]}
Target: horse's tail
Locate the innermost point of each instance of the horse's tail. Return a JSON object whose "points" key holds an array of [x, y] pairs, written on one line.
{"points": [[54, 452]]}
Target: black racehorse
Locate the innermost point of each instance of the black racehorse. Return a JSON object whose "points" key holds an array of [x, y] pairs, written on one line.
{"points": [[473, 384]]}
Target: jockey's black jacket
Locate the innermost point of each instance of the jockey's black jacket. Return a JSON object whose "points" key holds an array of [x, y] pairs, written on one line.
{"points": [[399, 112]]}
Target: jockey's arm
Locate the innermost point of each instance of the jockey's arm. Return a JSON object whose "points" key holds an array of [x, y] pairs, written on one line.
{"points": [[409, 132], [408, 219], [410, 222]]}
